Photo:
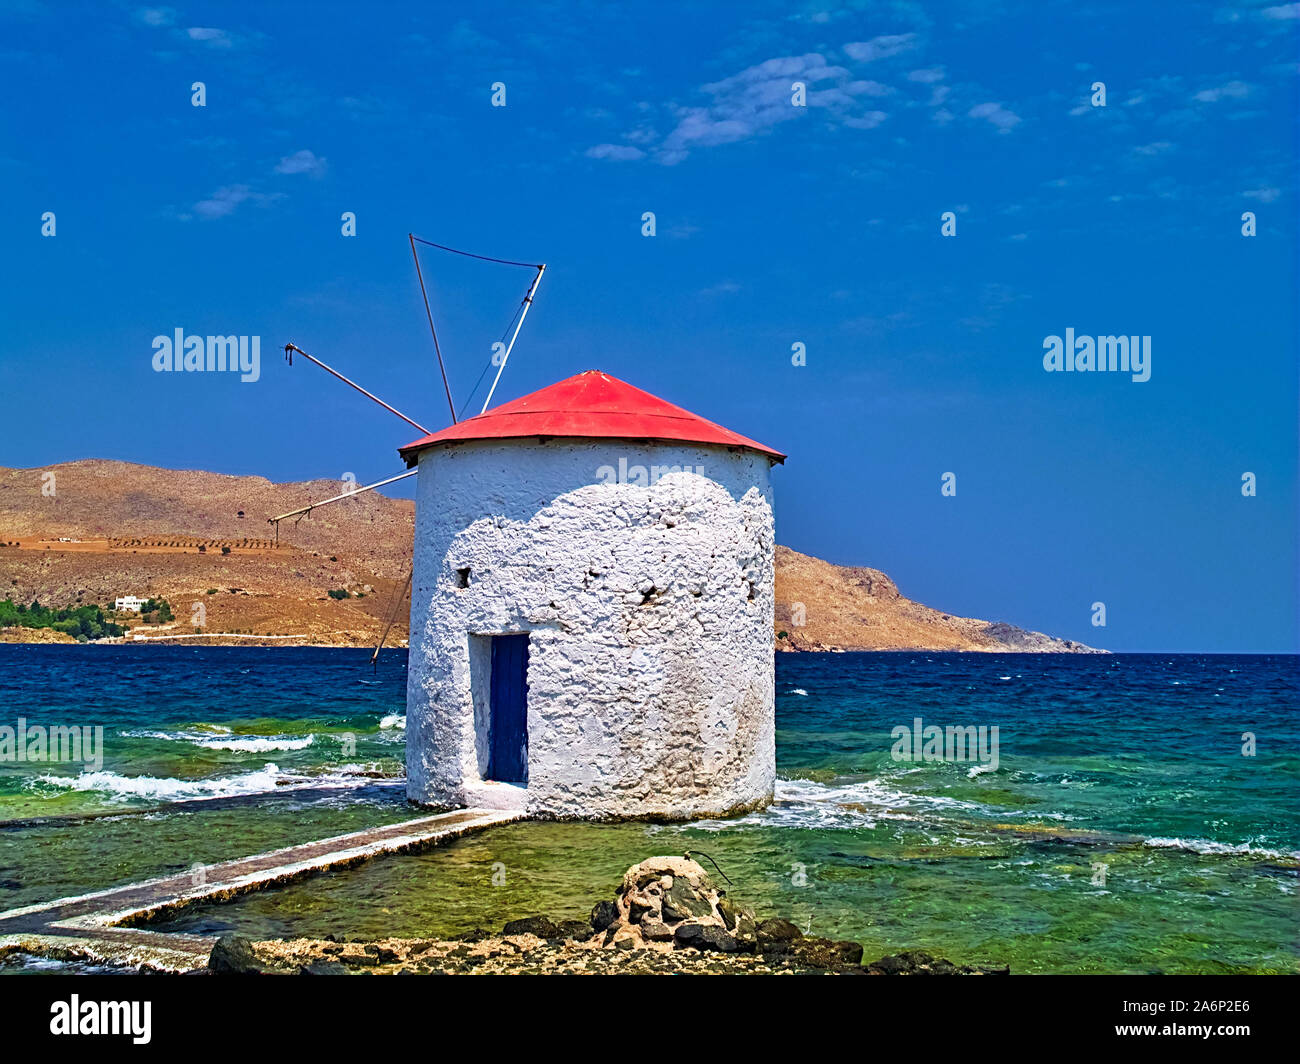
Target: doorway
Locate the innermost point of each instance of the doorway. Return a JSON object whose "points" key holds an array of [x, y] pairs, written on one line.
{"points": [[508, 710]]}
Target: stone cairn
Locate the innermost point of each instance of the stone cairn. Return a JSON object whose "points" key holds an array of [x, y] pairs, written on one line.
{"points": [[667, 902]]}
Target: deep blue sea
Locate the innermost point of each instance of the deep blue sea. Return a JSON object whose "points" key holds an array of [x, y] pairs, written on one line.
{"points": [[1143, 813]]}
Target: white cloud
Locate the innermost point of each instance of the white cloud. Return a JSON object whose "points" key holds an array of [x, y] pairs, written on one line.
{"points": [[616, 152], [210, 36], [228, 198], [1264, 195], [996, 114], [156, 16], [760, 97], [926, 77], [867, 121], [223, 202], [301, 162], [1282, 11], [880, 47], [1233, 90]]}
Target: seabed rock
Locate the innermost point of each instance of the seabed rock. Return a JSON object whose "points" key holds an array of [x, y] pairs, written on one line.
{"points": [[603, 914], [777, 935], [918, 962], [532, 925], [233, 955]]}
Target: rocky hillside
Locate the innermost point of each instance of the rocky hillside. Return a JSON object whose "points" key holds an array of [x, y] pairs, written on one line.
{"points": [[93, 530], [98, 498], [820, 606], [202, 539]]}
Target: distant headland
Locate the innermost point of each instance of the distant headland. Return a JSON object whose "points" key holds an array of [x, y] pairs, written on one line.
{"points": [[92, 532]]}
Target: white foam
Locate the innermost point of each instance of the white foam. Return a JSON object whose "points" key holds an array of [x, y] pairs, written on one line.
{"points": [[808, 804], [1207, 846], [798, 691], [224, 739], [393, 720], [166, 788], [258, 744]]}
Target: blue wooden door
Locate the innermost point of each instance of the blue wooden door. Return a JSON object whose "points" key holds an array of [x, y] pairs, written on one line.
{"points": [[508, 724]]}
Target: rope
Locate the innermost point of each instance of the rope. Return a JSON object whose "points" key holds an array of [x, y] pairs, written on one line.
{"points": [[471, 255], [392, 616], [429, 314], [690, 856]]}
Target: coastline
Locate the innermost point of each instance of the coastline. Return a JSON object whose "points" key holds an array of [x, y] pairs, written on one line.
{"points": [[577, 953], [45, 637]]}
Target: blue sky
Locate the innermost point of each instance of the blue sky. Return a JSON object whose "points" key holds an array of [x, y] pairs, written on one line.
{"points": [[775, 224]]}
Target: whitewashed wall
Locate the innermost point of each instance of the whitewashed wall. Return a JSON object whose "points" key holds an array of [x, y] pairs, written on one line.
{"points": [[650, 608]]}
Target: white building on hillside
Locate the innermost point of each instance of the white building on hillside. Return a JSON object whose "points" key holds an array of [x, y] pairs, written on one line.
{"points": [[129, 603]]}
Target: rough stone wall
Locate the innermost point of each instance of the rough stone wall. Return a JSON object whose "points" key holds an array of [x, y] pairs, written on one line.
{"points": [[649, 609]]}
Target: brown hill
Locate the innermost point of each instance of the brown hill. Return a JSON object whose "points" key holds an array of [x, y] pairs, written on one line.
{"points": [[820, 606], [93, 530], [99, 498], [181, 534]]}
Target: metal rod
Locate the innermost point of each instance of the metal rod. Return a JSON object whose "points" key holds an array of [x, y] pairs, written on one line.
{"points": [[392, 616], [528, 302], [346, 495], [354, 384], [429, 314]]}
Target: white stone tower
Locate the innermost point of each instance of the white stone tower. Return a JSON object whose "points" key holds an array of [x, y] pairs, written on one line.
{"points": [[592, 610]]}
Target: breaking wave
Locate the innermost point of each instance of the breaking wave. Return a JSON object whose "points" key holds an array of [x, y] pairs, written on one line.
{"points": [[860, 804], [166, 788], [1227, 849], [269, 778], [223, 739]]}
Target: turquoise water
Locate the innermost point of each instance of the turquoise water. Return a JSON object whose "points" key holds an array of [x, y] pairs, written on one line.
{"points": [[1122, 829]]}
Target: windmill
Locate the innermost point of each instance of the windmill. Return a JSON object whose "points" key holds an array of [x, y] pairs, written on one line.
{"points": [[512, 328]]}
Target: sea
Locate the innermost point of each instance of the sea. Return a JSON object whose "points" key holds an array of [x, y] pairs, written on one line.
{"points": [[1124, 813]]}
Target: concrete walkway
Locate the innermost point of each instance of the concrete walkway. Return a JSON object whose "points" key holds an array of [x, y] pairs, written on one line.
{"points": [[104, 927]]}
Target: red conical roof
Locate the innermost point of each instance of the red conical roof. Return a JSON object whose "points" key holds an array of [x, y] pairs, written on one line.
{"points": [[592, 405]]}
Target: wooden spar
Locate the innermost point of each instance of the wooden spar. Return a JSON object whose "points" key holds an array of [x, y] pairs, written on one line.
{"points": [[528, 302], [392, 616], [429, 314], [392, 410], [346, 495]]}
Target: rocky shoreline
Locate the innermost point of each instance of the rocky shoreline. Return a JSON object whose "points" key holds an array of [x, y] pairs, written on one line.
{"points": [[667, 917]]}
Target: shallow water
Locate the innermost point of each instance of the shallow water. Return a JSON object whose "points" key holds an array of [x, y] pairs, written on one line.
{"points": [[1122, 829]]}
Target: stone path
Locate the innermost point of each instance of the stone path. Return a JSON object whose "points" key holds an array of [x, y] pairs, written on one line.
{"points": [[103, 927]]}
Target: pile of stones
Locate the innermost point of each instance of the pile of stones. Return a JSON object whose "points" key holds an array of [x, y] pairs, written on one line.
{"points": [[669, 903]]}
